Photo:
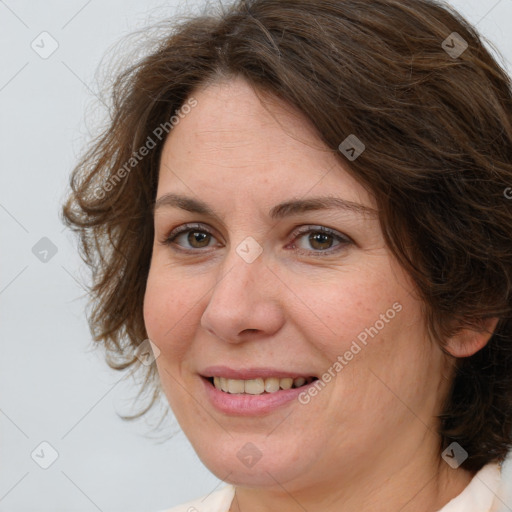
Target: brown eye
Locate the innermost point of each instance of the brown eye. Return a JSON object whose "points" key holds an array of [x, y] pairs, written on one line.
{"points": [[190, 237], [321, 241], [198, 239]]}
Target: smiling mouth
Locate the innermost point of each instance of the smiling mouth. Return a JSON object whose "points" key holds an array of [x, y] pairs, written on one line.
{"points": [[259, 386]]}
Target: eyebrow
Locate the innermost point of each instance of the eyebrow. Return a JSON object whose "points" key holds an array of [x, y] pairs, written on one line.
{"points": [[280, 211]]}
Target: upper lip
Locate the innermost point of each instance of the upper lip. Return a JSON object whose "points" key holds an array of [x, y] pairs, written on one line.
{"points": [[250, 373]]}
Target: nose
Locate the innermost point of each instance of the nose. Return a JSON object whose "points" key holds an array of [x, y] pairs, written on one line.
{"points": [[244, 303]]}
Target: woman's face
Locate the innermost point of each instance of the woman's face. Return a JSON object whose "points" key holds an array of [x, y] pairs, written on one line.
{"points": [[265, 284]]}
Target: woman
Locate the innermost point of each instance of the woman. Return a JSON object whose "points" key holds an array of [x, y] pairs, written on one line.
{"points": [[302, 205]]}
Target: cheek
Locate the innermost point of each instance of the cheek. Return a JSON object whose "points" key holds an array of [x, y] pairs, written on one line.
{"points": [[350, 305], [169, 319], [170, 312], [382, 351]]}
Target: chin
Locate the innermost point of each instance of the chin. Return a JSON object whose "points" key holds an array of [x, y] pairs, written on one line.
{"points": [[239, 461]]}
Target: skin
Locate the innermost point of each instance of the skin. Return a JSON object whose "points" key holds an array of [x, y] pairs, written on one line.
{"points": [[368, 440]]}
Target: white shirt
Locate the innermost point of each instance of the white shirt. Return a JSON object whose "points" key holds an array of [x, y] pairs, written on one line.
{"points": [[483, 494]]}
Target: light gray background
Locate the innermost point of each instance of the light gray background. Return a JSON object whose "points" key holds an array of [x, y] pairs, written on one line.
{"points": [[54, 386]]}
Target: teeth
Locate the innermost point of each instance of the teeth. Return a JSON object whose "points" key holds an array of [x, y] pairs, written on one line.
{"points": [[254, 386], [224, 384], [258, 386], [299, 381], [272, 385], [236, 386], [286, 383]]}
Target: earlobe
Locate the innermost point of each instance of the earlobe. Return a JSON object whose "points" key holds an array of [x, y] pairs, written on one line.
{"points": [[467, 341]]}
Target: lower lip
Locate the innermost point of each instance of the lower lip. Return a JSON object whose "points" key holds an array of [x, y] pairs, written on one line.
{"points": [[250, 405]]}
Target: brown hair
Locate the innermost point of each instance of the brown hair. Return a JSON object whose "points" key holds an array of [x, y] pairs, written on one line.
{"points": [[438, 133]]}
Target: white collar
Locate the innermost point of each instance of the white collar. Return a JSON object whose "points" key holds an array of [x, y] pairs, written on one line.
{"points": [[481, 494]]}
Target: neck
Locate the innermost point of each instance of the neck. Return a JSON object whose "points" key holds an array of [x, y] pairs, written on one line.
{"points": [[410, 487]]}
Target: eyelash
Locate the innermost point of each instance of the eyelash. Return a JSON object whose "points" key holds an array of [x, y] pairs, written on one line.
{"points": [[343, 240]]}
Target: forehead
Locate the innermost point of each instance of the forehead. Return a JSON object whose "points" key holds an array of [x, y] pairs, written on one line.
{"points": [[240, 141]]}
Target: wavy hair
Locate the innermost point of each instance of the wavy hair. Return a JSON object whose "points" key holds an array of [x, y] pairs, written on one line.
{"points": [[436, 119]]}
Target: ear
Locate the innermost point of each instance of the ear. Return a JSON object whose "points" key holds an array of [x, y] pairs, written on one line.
{"points": [[469, 341]]}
